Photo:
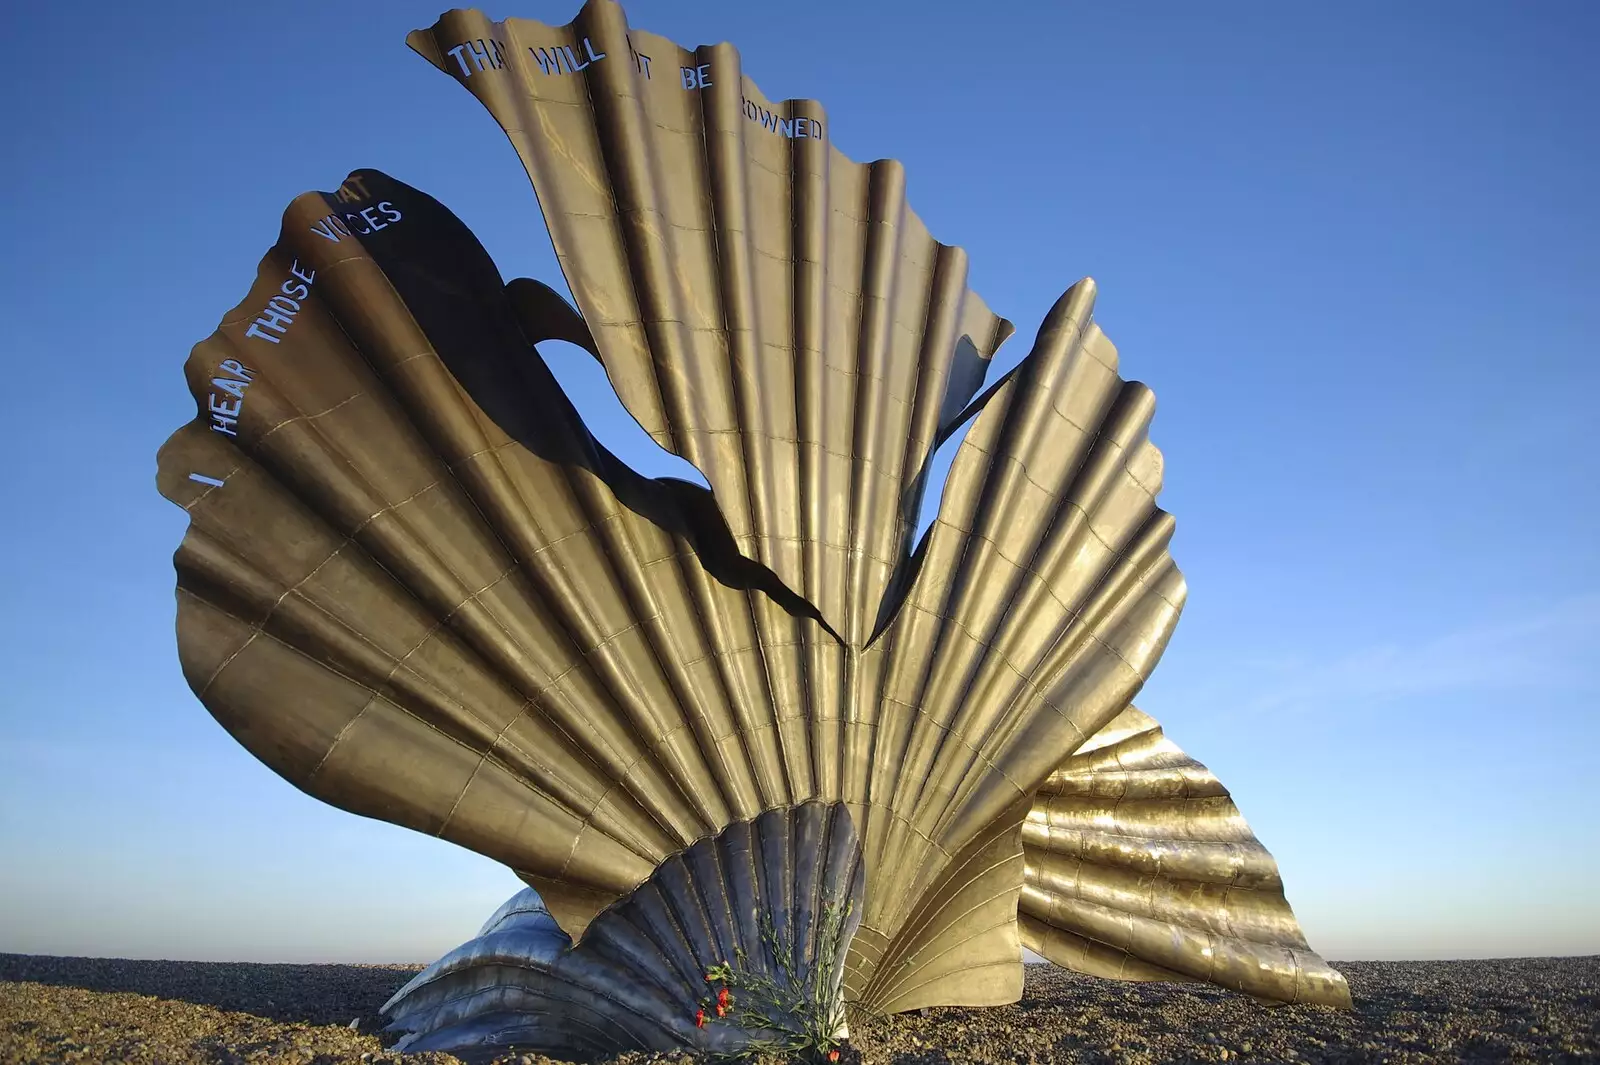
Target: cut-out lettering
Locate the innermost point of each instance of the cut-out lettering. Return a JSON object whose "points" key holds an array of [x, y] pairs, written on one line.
{"points": [[354, 190], [224, 411], [641, 62], [331, 228], [278, 315], [365, 222], [794, 128], [233, 388], [478, 55], [561, 59]]}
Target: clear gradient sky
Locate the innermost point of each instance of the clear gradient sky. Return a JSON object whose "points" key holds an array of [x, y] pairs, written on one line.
{"points": [[1353, 248]]}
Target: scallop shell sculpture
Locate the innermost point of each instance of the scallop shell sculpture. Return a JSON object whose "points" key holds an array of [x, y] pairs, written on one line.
{"points": [[416, 587]]}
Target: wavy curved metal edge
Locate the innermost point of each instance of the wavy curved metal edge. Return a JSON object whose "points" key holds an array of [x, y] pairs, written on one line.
{"points": [[1139, 866], [275, 553], [723, 266], [975, 406]]}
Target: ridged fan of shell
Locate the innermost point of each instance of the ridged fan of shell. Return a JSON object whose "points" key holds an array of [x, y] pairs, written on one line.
{"points": [[1039, 602], [765, 307], [774, 313], [1140, 867], [425, 594], [638, 977], [472, 622]]}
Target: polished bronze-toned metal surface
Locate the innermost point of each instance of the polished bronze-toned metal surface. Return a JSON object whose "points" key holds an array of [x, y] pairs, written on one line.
{"points": [[416, 586], [776, 314], [638, 978], [766, 308], [422, 592], [1140, 867]]}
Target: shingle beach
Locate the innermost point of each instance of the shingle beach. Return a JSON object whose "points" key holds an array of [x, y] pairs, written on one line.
{"points": [[176, 1013]]}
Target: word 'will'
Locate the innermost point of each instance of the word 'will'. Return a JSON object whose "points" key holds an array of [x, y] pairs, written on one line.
{"points": [[559, 59], [486, 53], [279, 313], [225, 412]]}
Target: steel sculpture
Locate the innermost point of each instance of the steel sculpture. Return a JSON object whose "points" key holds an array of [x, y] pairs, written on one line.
{"points": [[416, 587]]}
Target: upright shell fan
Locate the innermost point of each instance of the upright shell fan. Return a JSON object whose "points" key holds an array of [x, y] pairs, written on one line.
{"points": [[795, 878], [766, 308], [775, 314], [416, 587]]}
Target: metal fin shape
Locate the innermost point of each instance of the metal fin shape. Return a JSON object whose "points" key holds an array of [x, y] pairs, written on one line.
{"points": [[766, 308], [776, 314], [1140, 867], [424, 593], [1041, 598], [636, 980]]}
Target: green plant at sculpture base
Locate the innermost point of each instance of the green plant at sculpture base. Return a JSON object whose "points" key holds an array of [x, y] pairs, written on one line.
{"points": [[781, 1010]]}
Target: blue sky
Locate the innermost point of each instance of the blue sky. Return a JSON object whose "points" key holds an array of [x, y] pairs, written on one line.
{"points": [[1354, 249]]}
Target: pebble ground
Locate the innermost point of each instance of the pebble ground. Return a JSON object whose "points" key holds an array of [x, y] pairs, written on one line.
{"points": [[176, 1013]]}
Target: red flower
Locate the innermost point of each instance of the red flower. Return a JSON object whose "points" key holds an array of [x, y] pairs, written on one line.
{"points": [[710, 979], [700, 1019], [833, 1055], [722, 997], [721, 1010]]}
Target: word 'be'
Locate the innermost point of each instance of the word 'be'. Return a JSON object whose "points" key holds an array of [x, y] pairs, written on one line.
{"points": [[279, 313], [225, 412], [488, 54]]}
